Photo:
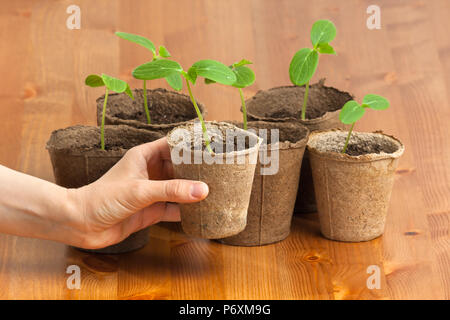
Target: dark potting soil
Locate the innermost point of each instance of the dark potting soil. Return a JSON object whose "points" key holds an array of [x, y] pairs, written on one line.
{"points": [[360, 143], [287, 101], [221, 133], [164, 106], [288, 131], [365, 147], [88, 138]]}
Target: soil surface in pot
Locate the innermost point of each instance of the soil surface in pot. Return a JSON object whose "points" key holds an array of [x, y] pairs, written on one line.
{"points": [[119, 137], [220, 133], [165, 106], [359, 144], [287, 101], [289, 133]]}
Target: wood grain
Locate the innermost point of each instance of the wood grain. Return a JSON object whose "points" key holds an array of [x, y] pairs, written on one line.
{"points": [[43, 65]]}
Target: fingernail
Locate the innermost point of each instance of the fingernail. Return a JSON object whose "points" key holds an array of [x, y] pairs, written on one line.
{"points": [[199, 190]]}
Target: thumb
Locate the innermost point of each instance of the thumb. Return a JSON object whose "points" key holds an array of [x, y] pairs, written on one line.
{"points": [[176, 190]]}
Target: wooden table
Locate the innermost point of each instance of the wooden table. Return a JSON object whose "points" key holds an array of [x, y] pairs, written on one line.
{"points": [[43, 65]]}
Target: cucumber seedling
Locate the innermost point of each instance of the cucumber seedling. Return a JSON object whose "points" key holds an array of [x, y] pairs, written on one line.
{"points": [[244, 77], [174, 80], [111, 84], [304, 63], [353, 111], [209, 69]]}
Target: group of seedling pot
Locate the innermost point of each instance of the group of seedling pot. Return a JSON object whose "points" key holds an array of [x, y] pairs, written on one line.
{"points": [[352, 172]]}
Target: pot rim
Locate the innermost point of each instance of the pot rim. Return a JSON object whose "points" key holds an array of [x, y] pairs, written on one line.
{"points": [[250, 150], [370, 157], [327, 115]]}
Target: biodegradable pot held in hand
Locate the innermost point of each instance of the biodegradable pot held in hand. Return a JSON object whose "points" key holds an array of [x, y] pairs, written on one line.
{"points": [[78, 160], [284, 104], [167, 109], [275, 188], [353, 189], [224, 212]]}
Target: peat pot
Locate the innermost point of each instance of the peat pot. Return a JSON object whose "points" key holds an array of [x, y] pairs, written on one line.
{"points": [[353, 189], [167, 109], [322, 113], [228, 174], [77, 160], [274, 191]]}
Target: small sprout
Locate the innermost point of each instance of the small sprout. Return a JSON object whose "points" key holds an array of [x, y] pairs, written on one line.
{"points": [[352, 111], [173, 80], [305, 61], [244, 77], [111, 84], [208, 69]]}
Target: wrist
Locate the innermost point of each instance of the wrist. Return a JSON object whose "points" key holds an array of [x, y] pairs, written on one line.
{"points": [[72, 219], [62, 218], [49, 212]]}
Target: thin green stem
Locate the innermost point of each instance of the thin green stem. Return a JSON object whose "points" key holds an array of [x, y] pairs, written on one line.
{"points": [[244, 108], [348, 138], [305, 100], [200, 117], [147, 112], [102, 127]]}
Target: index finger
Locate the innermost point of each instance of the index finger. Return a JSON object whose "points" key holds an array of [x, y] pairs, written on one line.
{"points": [[155, 150]]}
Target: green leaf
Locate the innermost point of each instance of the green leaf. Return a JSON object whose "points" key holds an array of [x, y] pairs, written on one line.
{"points": [[303, 66], [140, 40], [209, 81], [375, 102], [114, 84], [94, 80], [192, 73], [241, 63], [156, 69], [163, 52], [174, 80], [322, 31], [351, 112], [325, 48], [214, 70], [244, 77], [129, 92]]}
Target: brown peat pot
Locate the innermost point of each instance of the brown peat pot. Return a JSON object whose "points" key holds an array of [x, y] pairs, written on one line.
{"points": [[322, 113], [228, 174], [77, 160], [167, 109], [274, 191], [353, 189]]}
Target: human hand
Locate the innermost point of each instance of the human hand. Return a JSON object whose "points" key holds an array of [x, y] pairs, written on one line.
{"points": [[132, 195]]}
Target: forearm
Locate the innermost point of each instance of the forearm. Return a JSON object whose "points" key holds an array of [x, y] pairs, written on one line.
{"points": [[33, 207]]}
